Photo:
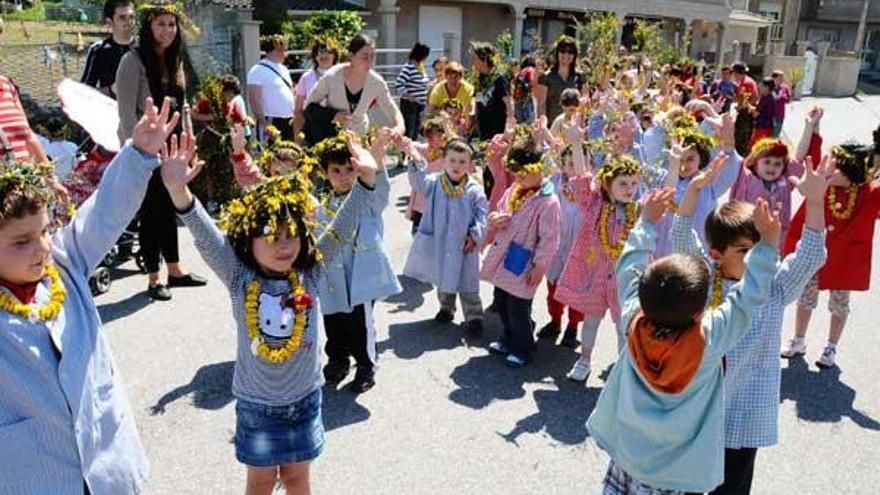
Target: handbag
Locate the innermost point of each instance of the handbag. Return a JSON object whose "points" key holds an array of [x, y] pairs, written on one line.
{"points": [[517, 259]]}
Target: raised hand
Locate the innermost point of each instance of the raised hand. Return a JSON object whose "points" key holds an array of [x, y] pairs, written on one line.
{"points": [[236, 137], [814, 116], [656, 204], [814, 183], [767, 222], [725, 131], [361, 158], [707, 176], [180, 165], [153, 129], [384, 136]]}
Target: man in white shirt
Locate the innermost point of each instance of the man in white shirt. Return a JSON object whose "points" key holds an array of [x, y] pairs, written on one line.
{"points": [[270, 88]]}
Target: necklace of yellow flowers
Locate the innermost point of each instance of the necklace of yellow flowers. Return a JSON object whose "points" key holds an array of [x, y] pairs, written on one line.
{"points": [[835, 207], [34, 313], [607, 216], [717, 288], [518, 198], [301, 304], [452, 190]]}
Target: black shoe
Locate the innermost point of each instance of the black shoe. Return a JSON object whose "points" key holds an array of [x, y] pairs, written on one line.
{"points": [[336, 371], [475, 327], [159, 292], [188, 280], [570, 338], [444, 316], [549, 331], [364, 379]]}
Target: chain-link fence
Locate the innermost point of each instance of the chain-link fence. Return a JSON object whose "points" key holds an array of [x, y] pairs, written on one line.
{"points": [[37, 68]]}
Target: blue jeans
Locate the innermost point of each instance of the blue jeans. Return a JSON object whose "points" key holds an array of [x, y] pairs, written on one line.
{"points": [[516, 317]]}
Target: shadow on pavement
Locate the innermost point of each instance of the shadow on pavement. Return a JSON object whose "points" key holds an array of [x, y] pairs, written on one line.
{"points": [[120, 309], [339, 408], [412, 297], [413, 339], [820, 395], [562, 413], [211, 388]]}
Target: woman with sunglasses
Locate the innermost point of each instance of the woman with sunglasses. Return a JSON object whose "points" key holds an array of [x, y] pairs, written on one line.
{"points": [[324, 56], [563, 74]]}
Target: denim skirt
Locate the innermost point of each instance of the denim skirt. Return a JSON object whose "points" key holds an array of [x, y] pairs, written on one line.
{"points": [[267, 436]]}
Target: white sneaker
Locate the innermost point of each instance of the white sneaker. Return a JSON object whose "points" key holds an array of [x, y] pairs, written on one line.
{"points": [[580, 371], [828, 357], [794, 347]]}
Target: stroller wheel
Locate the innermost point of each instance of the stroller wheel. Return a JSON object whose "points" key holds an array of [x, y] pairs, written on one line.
{"points": [[112, 257], [100, 281]]}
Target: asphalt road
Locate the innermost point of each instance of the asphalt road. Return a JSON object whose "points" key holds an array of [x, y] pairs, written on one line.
{"points": [[448, 418]]}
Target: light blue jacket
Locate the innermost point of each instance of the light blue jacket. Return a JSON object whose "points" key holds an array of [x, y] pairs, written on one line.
{"points": [[65, 418], [675, 441], [437, 254], [363, 271]]}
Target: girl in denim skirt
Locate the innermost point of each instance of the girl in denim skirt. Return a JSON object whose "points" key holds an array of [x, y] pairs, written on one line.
{"points": [[270, 261]]}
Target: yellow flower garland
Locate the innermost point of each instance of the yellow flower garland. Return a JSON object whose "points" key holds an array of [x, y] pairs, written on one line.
{"points": [[835, 208], [516, 200], [49, 311], [452, 190], [607, 214], [252, 314], [717, 289]]}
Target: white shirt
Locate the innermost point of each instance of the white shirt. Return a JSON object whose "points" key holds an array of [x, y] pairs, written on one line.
{"points": [[276, 99]]}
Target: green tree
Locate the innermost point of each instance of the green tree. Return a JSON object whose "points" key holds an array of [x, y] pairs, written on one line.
{"points": [[339, 25]]}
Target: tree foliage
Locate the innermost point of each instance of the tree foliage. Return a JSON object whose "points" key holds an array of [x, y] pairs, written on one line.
{"points": [[339, 25]]}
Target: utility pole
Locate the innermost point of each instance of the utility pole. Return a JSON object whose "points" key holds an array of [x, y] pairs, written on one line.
{"points": [[863, 22]]}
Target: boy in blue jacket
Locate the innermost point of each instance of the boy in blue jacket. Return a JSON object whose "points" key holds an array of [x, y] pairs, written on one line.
{"points": [[660, 416]]}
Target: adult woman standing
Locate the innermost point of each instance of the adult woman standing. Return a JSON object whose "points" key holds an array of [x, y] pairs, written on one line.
{"points": [[348, 91], [324, 56], [412, 86], [491, 92], [563, 74], [155, 69]]}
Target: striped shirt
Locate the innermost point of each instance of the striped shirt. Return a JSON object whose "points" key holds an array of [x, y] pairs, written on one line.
{"points": [[752, 379], [254, 379], [13, 121], [412, 84]]}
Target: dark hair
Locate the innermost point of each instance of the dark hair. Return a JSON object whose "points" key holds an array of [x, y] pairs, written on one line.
{"points": [[270, 42], [18, 203], [110, 7], [739, 68], [334, 155], [729, 223], [523, 152], [564, 44], [307, 257], [768, 83], [527, 61], [459, 146], [419, 52], [854, 161], [439, 60], [230, 83], [359, 41], [672, 290], [320, 45], [570, 97], [433, 125], [484, 51], [171, 62], [569, 150], [725, 68]]}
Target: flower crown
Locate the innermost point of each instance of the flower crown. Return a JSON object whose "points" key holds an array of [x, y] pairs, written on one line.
{"points": [[617, 166], [18, 177], [331, 145], [262, 209], [275, 40], [691, 136], [851, 155], [280, 149], [148, 11], [329, 42], [531, 168], [770, 147]]}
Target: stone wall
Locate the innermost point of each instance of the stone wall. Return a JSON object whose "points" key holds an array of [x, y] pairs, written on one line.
{"points": [[835, 76]]}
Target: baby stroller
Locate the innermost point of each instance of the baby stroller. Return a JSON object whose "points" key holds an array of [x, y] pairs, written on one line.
{"points": [[81, 184]]}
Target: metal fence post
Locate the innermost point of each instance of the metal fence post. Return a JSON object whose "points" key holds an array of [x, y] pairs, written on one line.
{"points": [[62, 54]]}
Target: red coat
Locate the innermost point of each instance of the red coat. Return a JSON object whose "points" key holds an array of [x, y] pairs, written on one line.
{"points": [[849, 242]]}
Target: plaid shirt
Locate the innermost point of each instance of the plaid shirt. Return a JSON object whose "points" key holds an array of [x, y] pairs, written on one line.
{"points": [[752, 380]]}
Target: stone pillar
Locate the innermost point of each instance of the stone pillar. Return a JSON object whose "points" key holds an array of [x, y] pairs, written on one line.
{"points": [[387, 11], [249, 35], [452, 46], [801, 47], [686, 35], [790, 17], [621, 16], [737, 51], [720, 45], [519, 15]]}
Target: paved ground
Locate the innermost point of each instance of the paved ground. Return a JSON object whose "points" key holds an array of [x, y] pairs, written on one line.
{"points": [[446, 417]]}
